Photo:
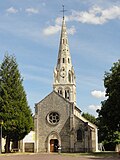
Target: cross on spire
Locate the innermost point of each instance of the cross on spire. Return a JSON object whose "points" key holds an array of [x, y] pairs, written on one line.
{"points": [[63, 10]]}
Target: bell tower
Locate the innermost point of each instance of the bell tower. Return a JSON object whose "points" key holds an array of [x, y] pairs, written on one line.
{"points": [[64, 75]]}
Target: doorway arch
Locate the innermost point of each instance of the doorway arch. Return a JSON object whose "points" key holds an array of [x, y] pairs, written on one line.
{"points": [[53, 142], [54, 145]]}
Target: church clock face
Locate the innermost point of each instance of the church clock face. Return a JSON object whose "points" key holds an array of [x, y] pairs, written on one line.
{"points": [[63, 72], [53, 118]]}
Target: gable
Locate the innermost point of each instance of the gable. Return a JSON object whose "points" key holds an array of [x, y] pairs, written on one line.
{"points": [[53, 102], [52, 96], [55, 106]]}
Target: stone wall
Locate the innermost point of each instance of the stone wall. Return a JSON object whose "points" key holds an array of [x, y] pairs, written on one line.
{"points": [[88, 143], [52, 103], [65, 131]]}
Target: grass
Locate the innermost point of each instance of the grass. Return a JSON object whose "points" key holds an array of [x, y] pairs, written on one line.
{"points": [[95, 154], [106, 154]]}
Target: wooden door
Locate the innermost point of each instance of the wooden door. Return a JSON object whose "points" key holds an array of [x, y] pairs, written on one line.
{"points": [[52, 145], [29, 147]]}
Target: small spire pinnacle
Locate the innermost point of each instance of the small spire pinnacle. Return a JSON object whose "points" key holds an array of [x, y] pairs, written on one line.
{"points": [[63, 10]]}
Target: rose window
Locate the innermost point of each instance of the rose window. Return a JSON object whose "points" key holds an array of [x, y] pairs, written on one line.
{"points": [[53, 117]]}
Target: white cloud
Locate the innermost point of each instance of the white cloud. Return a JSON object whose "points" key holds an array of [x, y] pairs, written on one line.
{"points": [[51, 30], [31, 10], [98, 94], [94, 107], [71, 30], [54, 29], [11, 10], [58, 20], [95, 15]]}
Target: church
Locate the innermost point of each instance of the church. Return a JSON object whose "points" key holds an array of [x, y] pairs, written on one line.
{"points": [[58, 121]]}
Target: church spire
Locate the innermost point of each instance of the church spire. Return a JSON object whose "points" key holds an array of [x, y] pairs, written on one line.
{"points": [[64, 76], [64, 57]]}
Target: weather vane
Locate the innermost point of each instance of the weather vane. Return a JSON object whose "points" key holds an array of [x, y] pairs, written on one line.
{"points": [[63, 10]]}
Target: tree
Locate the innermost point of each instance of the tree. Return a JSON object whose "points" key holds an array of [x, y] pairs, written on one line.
{"points": [[109, 115], [90, 118], [14, 109], [110, 110]]}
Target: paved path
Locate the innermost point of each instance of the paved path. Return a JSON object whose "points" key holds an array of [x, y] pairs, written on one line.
{"points": [[49, 157]]}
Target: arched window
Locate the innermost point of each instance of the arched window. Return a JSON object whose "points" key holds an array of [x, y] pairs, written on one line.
{"points": [[67, 94], [79, 135], [69, 77], [68, 60], [60, 91], [65, 41]]}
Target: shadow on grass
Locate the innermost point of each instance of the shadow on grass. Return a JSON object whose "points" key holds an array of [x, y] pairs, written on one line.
{"points": [[95, 155], [106, 154]]}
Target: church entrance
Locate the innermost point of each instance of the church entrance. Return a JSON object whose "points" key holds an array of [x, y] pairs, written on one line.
{"points": [[53, 142], [53, 145]]}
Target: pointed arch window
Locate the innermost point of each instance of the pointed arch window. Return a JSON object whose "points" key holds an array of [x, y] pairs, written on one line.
{"points": [[69, 76], [68, 60], [63, 41], [67, 94], [79, 135], [60, 91]]}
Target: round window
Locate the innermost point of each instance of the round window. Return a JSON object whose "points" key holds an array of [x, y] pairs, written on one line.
{"points": [[53, 118]]}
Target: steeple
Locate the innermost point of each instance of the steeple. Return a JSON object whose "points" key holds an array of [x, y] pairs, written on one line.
{"points": [[64, 76], [64, 46]]}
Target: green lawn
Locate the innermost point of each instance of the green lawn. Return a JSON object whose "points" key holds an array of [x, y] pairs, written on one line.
{"points": [[106, 154], [96, 154]]}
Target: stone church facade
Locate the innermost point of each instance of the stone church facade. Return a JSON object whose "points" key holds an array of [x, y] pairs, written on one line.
{"points": [[58, 120]]}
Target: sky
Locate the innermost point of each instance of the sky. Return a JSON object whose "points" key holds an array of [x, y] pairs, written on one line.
{"points": [[30, 30]]}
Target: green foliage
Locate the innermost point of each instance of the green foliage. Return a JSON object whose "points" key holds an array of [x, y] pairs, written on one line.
{"points": [[109, 115], [14, 109], [90, 118]]}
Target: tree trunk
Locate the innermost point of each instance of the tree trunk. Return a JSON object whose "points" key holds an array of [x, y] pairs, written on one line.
{"points": [[15, 144], [7, 145]]}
